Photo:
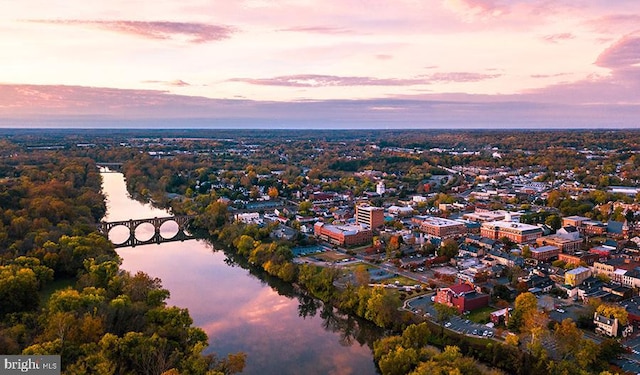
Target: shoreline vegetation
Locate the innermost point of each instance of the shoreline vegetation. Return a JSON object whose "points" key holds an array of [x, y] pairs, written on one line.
{"points": [[110, 321]]}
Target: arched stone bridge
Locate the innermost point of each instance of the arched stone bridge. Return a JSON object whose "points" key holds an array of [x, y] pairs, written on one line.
{"points": [[182, 221]]}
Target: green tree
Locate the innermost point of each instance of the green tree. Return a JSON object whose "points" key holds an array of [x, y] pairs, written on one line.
{"points": [[614, 311], [18, 289], [554, 221], [382, 307], [525, 304], [449, 248], [399, 361], [304, 207], [569, 338]]}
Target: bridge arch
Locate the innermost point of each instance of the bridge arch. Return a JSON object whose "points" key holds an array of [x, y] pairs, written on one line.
{"points": [[157, 222]]}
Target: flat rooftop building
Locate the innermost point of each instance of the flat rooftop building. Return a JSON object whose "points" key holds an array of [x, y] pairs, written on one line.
{"points": [[516, 232], [442, 228], [369, 216]]}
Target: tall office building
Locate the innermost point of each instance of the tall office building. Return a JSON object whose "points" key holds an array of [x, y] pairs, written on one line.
{"points": [[369, 216]]}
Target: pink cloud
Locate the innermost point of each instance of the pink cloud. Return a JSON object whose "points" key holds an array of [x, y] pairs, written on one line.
{"points": [[174, 83], [317, 80], [555, 38], [460, 77], [319, 30], [68, 106], [615, 23], [623, 54], [471, 9], [548, 75], [197, 32]]}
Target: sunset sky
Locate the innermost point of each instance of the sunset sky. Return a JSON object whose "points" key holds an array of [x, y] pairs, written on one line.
{"points": [[330, 63]]}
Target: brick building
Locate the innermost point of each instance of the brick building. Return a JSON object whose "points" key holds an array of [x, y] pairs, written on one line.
{"points": [[442, 228], [579, 258], [461, 296], [343, 235], [516, 232], [566, 245], [545, 253], [369, 216]]}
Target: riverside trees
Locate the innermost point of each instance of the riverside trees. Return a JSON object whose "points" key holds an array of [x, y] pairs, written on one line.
{"points": [[105, 320]]}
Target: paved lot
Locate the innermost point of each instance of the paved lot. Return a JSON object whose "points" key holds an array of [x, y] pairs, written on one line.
{"points": [[424, 306]]}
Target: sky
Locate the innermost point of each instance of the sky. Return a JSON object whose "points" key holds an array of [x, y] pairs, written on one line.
{"points": [[326, 64]]}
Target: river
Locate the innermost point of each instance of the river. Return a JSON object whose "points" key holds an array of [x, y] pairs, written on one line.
{"points": [[281, 331]]}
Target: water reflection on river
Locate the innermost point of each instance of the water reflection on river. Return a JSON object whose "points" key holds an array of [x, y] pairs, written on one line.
{"points": [[280, 331]]}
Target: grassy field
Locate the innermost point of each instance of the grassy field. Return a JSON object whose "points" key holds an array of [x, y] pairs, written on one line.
{"points": [[481, 315]]}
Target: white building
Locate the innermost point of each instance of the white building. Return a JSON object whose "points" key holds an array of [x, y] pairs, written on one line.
{"points": [[380, 188]]}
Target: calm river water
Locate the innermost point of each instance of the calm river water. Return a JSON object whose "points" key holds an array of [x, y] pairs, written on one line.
{"points": [[281, 331]]}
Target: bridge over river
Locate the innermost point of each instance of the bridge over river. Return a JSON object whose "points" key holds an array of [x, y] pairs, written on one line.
{"points": [[182, 221]]}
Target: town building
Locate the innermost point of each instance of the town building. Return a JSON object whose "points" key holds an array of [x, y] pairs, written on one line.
{"points": [[516, 232], [343, 235], [576, 276], [369, 216], [400, 211], [566, 245], [602, 251], [631, 279], [569, 232], [575, 221], [484, 216], [442, 228], [545, 253], [614, 269], [249, 218], [461, 296], [593, 228], [579, 258]]}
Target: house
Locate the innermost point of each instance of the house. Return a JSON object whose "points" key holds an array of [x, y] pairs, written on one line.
{"points": [[461, 296], [500, 316], [605, 326], [483, 242], [506, 259], [539, 284], [470, 250], [610, 326]]}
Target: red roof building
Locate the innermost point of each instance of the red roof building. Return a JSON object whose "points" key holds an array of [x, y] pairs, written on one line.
{"points": [[461, 296]]}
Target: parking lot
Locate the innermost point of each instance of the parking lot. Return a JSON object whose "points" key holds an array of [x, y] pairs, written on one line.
{"points": [[424, 306]]}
